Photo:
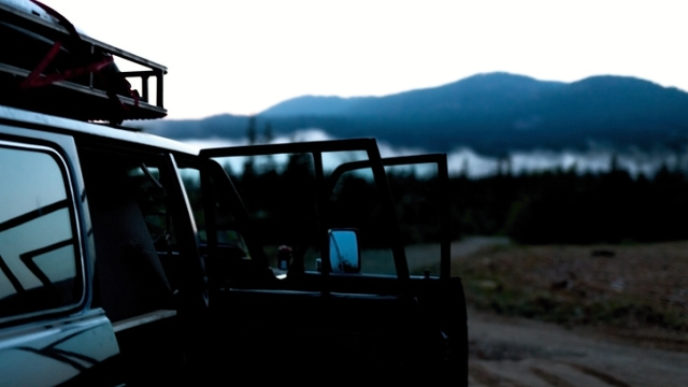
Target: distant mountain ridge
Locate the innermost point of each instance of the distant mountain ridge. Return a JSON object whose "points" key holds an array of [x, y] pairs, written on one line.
{"points": [[492, 113], [447, 98]]}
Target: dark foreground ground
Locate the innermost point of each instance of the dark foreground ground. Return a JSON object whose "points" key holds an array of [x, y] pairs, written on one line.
{"points": [[575, 315], [514, 351]]}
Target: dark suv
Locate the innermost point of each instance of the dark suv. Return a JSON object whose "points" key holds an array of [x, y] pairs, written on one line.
{"points": [[131, 258]]}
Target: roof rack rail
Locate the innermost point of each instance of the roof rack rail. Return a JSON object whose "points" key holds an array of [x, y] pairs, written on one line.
{"points": [[47, 66]]}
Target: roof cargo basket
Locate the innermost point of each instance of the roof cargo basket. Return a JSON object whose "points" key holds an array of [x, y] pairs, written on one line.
{"points": [[47, 66]]}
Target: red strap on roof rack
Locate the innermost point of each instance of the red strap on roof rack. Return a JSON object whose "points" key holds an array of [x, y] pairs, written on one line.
{"points": [[77, 65], [35, 80]]}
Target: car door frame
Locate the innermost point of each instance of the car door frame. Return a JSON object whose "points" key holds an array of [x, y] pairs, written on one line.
{"points": [[316, 150], [440, 161]]}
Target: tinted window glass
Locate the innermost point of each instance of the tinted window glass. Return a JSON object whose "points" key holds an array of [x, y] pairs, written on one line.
{"points": [[356, 202], [280, 196], [38, 261], [416, 190], [137, 255]]}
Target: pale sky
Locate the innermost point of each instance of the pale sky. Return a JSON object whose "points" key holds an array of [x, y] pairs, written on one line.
{"points": [[242, 57]]}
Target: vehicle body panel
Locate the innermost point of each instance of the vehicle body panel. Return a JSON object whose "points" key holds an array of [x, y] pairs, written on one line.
{"points": [[67, 341], [54, 351]]}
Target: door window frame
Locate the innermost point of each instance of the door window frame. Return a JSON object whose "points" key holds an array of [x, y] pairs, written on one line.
{"points": [[316, 150], [71, 205]]}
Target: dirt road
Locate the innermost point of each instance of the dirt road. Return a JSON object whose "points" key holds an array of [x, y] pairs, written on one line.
{"points": [[514, 351], [507, 351]]}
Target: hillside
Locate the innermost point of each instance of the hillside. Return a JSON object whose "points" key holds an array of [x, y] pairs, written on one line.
{"points": [[491, 113]]}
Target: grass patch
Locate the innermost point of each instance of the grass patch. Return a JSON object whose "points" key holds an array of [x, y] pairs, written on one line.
{"points": [[570, 286]]}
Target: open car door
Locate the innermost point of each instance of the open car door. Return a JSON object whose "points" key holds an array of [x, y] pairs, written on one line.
{"points": [[419, 188], [305, 255]]}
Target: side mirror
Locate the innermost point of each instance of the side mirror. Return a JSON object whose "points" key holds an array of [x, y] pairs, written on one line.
{"points": [[344, 253]]}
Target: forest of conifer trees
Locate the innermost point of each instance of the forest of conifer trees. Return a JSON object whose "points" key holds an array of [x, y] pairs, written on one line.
{"points": [[534, 208]]}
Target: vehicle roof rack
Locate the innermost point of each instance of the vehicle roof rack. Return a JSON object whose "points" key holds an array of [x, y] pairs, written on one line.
{"points": [[49, 67]]}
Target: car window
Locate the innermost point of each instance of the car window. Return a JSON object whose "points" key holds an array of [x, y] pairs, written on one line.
{"points": [[137, 251], [279, 193], [416, 190], [357, 203], [282, 193], [39, 262]]}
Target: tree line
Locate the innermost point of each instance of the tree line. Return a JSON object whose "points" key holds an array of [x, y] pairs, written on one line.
{"points": [[536, 208], [568, 207]]}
